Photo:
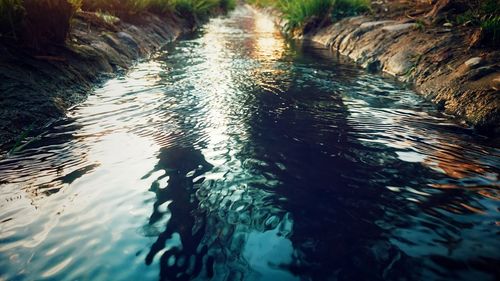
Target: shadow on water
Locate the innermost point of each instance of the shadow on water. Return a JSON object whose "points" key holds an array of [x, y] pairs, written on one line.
{"points": [[307, 148], [348, 223], [307, 185], [42, 157], [184, 259]]}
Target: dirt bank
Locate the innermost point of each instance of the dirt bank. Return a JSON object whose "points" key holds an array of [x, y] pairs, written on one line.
{"points": [[440, 60], [38, 87]]}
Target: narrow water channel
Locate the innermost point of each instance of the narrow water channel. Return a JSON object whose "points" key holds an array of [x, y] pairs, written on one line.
{"points": [[235, 154]]}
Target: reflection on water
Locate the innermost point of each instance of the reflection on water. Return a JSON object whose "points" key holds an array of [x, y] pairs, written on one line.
{"points": [[184, 227], [236, 155]]}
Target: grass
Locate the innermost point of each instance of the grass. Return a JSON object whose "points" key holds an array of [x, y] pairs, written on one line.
{"points": [[227, 5], [489, 21], [107, 17], [490, 27], [297, 12], [193, 7], [346, 8], [420, 24], [37, 23], [199, 9], [21, 139], [484, 14], [125, 6], [301, 13], [47, 21]]}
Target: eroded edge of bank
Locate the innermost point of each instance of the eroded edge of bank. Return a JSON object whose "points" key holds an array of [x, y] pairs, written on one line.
{"points": [[38, 89], [438, 61], [460, 80]]}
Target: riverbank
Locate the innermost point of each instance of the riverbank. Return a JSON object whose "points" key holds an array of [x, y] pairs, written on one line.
{"points": [[444, 62], [240, 156], [38, 87]]}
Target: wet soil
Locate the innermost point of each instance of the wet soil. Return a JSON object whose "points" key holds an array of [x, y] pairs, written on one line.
{"points": [[38, 86]]}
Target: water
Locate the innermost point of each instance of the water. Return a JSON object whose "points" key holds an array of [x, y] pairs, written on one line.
{"points": [[238, 155]]}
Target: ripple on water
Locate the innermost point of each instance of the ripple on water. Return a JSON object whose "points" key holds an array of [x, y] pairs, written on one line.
{"points": [[235, 154]]}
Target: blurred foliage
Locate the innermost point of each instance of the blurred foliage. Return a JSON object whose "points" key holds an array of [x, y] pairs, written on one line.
{"points": [[193, 7], [300, 13], [297, 12], [347, 8], [47, 21], [37, 23], [484, 14], [490, 27]]}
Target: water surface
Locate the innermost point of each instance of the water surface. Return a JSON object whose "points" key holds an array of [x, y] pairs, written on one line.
{"points": [[238, 155]]}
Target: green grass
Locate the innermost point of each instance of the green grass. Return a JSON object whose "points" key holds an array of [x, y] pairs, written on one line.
{"points": [[107, 17], [201, 8], [263, 3], [491, 30], [21, 140], [197, 8], [37, 23], [490, 7], [299, 13], [484, 14], [227, 5], [346, 8], [125, 6]]}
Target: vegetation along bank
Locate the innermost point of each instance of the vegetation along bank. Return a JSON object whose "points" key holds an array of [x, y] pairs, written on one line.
{"points": [[52, 52], [448, 49]]}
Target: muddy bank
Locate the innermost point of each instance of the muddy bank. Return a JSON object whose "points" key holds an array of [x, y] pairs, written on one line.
{"points": [[463, 80], [38, 87]]}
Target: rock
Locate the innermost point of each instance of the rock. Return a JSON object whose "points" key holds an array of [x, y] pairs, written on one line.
{"points": [[496, 82], [400, 63], [94, 54], [461, 80], [91, 53], [110, 54], [473, 62], [134, 29], [373, 65], [127, 39], [476, 38], [399, 27], [476, 74], [445, 30], [372, 24]]}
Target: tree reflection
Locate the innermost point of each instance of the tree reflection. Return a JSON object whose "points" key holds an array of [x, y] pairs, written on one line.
{"points": [[299, 190], [182, 260], [334, 190]]}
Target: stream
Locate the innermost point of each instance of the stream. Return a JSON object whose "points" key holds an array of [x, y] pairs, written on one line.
{"points": [[237, 154]]}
